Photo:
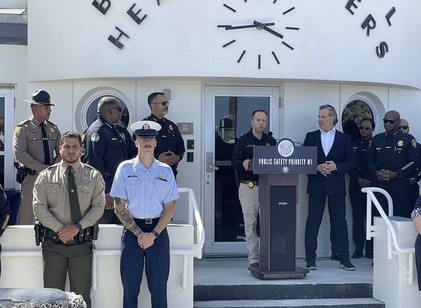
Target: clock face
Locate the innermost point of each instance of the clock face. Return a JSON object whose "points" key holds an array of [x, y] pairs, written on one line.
{"points": [[257, 32]]}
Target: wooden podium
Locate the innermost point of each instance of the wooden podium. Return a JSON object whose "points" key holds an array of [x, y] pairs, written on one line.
{"points": [[278, 171]]}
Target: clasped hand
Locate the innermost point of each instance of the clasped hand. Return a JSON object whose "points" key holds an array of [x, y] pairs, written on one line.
{"points": [[67, 233], [385, 175], [327, 168], [146, 240]]}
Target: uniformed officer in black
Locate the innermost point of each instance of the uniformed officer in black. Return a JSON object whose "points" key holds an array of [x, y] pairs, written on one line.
{"points": [[359, 178], [392, 159], [4, 214], [170, 148], [106, 146]]}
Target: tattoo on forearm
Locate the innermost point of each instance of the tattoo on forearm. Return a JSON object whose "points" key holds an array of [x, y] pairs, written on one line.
{"points": [[125, 217]]}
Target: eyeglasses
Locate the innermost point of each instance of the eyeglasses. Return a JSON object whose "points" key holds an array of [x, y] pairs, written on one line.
{"points": [[403, 127], [118, 108], [365, 127], [164, 103], [385, 121]]}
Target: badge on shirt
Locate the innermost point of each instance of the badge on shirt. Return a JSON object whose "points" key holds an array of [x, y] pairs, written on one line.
{"points": [[84, 180], [95, 137], [400, 143], [161, 177], [414, 143], [52, 129], [170, 127]]}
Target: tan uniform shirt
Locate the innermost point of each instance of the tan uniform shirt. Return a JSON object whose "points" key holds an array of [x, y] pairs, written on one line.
{"points": [[51, 198], [29, 147]]}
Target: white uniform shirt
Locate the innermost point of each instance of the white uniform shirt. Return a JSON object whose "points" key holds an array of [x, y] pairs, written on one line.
{"points": [[145, 190]]}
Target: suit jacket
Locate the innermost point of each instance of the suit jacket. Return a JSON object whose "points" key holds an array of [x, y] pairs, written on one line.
{"points": [[343, 156]]}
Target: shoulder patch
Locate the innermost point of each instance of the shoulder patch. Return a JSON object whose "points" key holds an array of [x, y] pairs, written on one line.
{"points": [[18, 130], [95, 137], [23, 122]]}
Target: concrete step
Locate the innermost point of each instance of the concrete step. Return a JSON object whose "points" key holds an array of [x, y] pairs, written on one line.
{"points": [[307, 303], [284, 291]]}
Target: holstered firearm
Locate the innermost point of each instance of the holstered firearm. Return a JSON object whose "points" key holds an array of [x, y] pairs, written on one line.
{"points": [[21, 172], [39, 233]]}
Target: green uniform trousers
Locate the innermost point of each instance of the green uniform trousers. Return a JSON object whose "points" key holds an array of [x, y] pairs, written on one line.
{"points": [[75, 259]]}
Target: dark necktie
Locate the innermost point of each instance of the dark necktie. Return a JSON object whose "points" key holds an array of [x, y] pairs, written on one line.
{"points": [[45, 144], [73, 198]]}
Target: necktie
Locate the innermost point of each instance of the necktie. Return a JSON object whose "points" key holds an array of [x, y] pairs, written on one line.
{"points": [[45, 144], [73, 198]]}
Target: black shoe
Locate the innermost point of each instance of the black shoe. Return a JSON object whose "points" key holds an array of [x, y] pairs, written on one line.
{"points": [[335, 257], [311, 265], [369, 255], [254, 265], [347, 265], [357, 255]]}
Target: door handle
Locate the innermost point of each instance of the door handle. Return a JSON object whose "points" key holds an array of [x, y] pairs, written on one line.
{"points": [[212, 168]]}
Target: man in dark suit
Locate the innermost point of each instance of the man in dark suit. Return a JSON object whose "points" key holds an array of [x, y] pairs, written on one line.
{"points": [[335, 157]]}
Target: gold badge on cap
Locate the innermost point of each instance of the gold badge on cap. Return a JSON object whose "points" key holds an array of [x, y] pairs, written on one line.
{"points": [[94, 137], [400, 143], [250, 184], [145, 126]]}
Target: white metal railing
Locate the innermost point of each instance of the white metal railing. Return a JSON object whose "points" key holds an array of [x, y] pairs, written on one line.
{"points": [[195, 251], [393, 247]]}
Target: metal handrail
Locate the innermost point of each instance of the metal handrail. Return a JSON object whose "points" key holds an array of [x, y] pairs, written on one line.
{"points": [[195, 251], [393, 247]]}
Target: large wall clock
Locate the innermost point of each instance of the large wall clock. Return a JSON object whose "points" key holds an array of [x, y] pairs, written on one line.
{"points": [[271, 19]]}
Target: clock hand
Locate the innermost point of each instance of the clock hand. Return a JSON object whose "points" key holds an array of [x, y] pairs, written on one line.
{"points": [[265, 27], [229, 27]]}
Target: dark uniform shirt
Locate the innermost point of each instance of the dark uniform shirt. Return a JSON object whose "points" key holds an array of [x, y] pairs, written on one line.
{"points": [[360, 147], [168, 139], [396, 152], [106, 146], [244, 150], [4, 211]]}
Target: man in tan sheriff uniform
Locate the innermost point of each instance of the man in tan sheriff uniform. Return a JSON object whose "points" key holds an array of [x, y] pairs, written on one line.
{"points": [[36, 146], [68, 200]]}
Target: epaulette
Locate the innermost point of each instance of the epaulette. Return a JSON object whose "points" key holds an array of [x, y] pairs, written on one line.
{"points": [[51, 123], [89, 167], [23, 123]]}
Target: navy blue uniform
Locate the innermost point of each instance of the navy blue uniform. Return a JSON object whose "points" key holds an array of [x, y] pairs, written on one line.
{"points": [[168, 139], [4, 214], [106, 146], [396, 152], [358, 198]]}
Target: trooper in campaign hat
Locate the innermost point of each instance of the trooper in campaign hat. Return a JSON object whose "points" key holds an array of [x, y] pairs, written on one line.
{"points": [[145, 129], [41, 97]]}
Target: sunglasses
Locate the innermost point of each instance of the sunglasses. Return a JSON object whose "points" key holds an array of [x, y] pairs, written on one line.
{"points": [[365, 127], [164, 103], [403, 127], [385, 121]]}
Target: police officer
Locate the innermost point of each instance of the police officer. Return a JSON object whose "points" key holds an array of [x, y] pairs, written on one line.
{"points": [[4, 214], [359, 178], [107, 145], [68, 200], [170, 144], [144, 190], [35, 143], [392, 159], [248, 190]]}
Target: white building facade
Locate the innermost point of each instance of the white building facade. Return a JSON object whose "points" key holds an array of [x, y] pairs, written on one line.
{"points": [[218, 60]]}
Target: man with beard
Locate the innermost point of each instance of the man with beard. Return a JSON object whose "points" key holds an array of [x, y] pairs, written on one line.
{"points": [[68, 201], [144, 191], [170, 144]]}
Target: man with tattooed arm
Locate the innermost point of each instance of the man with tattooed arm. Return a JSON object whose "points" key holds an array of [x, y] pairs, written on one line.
{"points": [[144, 191]]}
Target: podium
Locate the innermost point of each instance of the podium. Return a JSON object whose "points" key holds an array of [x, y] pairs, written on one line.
{"points": [[279, 168]]}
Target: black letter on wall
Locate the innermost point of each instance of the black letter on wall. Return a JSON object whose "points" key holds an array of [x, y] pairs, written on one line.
{"points": [[369, 23], [389, 15], [382, 49], [116, 41], [133, 15], [350, 5], [101, 7]]}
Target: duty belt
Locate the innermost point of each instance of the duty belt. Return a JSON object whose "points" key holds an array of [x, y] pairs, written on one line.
{"points": [[147, 221]]}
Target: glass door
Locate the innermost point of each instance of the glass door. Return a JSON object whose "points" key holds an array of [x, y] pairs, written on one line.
{"points": [[228, 116], [7, 126]]}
